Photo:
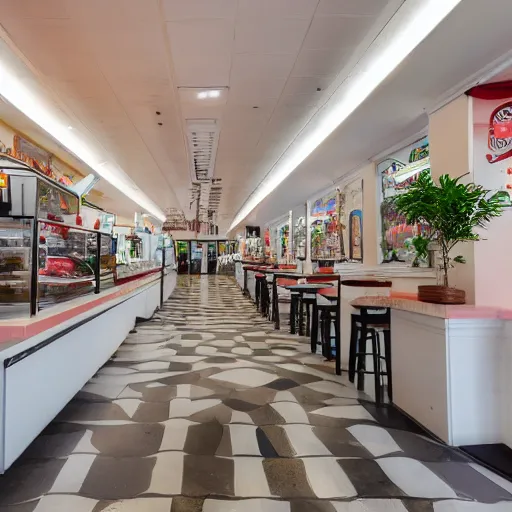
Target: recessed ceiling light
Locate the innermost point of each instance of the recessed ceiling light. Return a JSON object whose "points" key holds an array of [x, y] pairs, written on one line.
{"points": [[410, 25], [70, 127]]}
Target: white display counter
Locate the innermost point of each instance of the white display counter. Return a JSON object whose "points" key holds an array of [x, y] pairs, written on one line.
{"points": [[63, 348]]}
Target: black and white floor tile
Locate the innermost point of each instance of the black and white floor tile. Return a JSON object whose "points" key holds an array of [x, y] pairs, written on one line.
{"points": [[207, 408]]}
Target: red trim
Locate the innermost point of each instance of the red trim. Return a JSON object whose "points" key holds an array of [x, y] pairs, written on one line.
{"points": [[129, 279], [495, 91], [22, 329]]}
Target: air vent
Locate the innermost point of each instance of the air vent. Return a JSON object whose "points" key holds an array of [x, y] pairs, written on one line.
{"points": [[203, 139]]}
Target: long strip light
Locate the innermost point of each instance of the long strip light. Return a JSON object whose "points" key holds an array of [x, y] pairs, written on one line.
{"points": [[19, 88], [411, 24]]}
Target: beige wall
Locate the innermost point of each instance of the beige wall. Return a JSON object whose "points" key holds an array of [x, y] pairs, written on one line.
{"points": [[450, 137]]}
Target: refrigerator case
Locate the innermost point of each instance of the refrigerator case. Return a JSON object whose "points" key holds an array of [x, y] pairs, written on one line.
{"points": [[15, 267]]}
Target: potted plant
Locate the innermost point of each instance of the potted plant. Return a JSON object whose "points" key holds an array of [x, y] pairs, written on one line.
{"points": [[453, 211]]}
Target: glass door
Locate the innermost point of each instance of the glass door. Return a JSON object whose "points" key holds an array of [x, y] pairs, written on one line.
{"points": [[196, 257], [212, 257], [183, 257]]}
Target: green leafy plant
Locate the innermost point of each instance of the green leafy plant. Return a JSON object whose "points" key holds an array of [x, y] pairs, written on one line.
{"points": [[420, 244], [451, 209]]}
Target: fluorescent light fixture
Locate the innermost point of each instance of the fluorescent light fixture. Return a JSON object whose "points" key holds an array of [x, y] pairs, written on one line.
{"points": [[213, 93], [411, 170], [411, 24], [20, 88]]}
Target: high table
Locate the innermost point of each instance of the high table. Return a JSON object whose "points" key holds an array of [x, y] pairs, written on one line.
{"points": [[295, 276], [301, 289]]}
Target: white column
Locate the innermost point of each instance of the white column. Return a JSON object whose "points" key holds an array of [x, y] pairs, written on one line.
{"points": [[308, 266]]}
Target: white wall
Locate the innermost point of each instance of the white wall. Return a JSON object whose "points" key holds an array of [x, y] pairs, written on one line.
{"points": [[493, 279]]}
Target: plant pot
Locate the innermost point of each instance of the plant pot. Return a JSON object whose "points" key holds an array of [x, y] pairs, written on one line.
{"points": [[441, 295]]}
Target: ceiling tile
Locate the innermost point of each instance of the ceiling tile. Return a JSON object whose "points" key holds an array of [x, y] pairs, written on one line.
{"points": [[307, 84], [138, 41], [320, 62], [175, 10], [250, 92], [279, 8], [276, 35], [350, 7], [305, 100], [192, 71], [33, 9], [337, 31], [201, 37], [255, 65], [113, 12]]}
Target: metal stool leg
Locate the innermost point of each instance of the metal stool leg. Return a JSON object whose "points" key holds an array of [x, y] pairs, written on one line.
{"points": [[376, 365], [387, 356], [314, 329], [337, 340], [354, 332], [293, 313]]}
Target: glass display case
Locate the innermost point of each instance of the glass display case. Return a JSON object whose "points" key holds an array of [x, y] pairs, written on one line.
{"points": [[165, 251], [136, 254], [15, 266], [48, 257], [67, 259]]}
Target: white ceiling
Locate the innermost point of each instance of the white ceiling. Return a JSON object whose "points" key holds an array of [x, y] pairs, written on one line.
{"points": [[450, 61], [113, 63]]}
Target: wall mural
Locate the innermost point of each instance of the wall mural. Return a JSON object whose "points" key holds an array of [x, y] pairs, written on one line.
{"points": [[13, 144], [337, 225], [492, 141], [397, 173]]}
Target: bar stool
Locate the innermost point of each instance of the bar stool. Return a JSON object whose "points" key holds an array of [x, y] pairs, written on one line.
{"points": [[309, 302], [261, 288], [329, 314], [368, 325]]}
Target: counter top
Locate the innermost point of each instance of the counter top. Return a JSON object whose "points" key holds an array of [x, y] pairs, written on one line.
{"points": [[13, 331], [437, 310]]}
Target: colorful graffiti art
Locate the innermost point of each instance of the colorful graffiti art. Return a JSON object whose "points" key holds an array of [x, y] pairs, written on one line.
{"points": [[500, 134]]}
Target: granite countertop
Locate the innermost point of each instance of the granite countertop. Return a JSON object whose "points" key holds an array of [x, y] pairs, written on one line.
{"points": [[438, 310]]}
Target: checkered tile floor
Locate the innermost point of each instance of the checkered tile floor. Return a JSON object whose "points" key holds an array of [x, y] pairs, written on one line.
{"points": [[207, 408]]}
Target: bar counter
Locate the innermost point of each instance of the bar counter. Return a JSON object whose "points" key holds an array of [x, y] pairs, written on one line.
{"points": [[452, 368]]}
